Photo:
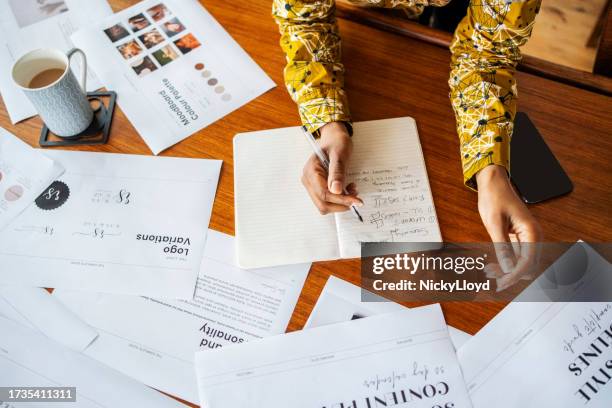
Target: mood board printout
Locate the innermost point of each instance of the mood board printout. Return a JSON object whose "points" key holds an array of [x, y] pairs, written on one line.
{"points": [[230, 306], [114, 223], [26, 25], [24, 174], [175, 69]]}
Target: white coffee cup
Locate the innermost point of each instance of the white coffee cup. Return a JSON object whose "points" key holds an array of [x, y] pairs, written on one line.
{"points": [[62, 104]]}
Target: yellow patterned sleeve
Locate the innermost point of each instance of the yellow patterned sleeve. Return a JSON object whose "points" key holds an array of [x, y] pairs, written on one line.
{"points": [[485, 52], [314, 74]]}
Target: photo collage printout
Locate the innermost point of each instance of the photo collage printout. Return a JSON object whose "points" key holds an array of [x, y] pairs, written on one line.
{"points": [[175, 69]]}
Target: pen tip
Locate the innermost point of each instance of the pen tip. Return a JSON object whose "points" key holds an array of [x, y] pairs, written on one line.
{"points": [[360, 217]]}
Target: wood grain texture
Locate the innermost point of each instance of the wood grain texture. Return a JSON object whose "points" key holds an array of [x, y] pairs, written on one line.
{"points": [[603, 59], [390, 76], [562, 32], [535, 63]]}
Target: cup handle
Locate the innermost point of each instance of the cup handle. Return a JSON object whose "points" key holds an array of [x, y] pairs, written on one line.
{"points": [[83, 81]]}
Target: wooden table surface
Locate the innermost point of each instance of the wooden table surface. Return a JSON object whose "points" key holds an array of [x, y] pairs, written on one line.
{"points": [[390, 76]]}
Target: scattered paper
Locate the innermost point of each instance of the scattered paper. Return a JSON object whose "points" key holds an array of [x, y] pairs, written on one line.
{"points": [[391, 359], [38, 310], [29, 359], [154, 340], [114, 223]]}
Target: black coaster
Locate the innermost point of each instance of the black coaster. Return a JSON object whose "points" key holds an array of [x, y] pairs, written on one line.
{"points": [[97, 133]]}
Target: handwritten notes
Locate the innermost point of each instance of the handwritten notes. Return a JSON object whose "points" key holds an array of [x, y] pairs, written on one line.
{"points": [[276, 222], [587, 326], [392, 181], [397, 204]]}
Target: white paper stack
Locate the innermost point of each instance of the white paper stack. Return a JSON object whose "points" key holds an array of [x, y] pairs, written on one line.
{"points": [[154, 340], [404, 357], [114, 223], [29, 359]]}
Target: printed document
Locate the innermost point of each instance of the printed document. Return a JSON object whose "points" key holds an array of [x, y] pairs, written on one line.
{"points": [[276, 221], [24, 174], [29, 359], [341, 301], [393, 359], [38, 310], [174, 67], [154, 340], [545, 354], [114, 223], [26, 25]]}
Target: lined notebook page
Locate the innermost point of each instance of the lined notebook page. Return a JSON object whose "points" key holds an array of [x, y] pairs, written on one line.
{"points": [[276, 222], [388, 168]]}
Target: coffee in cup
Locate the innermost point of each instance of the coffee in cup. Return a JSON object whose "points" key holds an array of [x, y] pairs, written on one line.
{"points": [[46, 78]]}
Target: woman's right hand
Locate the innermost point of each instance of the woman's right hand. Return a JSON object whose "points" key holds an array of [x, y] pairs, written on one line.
{"points": [[326, 189]]}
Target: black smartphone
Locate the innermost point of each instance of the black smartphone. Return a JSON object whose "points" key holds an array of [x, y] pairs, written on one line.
{"points": [[535, 171]]}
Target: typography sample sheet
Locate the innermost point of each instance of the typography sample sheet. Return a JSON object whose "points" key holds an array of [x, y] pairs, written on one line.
{"points": [[397, 358], [174, 67], [24, 174], [154, 340], [26, 25], [550, 353], [114, 223], [29, 359]]}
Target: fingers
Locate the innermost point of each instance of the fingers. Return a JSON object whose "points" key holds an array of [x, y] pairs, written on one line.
{"points": [[318, 188], [337, 173], [498, 231], [326, 207], [528, 235], [506, 218], [527, 231], [352, 189], [315, 179], [336, 142], [493, 271]]}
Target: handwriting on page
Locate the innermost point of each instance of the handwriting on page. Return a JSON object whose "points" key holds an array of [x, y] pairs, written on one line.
{"points": [[396, 202]]}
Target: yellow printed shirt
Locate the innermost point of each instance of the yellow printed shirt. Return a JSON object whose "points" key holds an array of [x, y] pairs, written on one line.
{"points": [[485, 52]]}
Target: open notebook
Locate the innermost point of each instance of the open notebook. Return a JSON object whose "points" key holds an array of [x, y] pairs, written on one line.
{"points": [[276, 222]]}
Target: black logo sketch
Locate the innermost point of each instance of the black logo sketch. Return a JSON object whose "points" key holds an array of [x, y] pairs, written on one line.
{"points": [[44, 230], [99, 233], [54, 196], [123, 197]]}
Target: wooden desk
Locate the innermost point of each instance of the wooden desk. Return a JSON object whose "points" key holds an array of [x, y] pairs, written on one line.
{"points": [[391, 76]]}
